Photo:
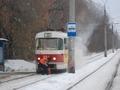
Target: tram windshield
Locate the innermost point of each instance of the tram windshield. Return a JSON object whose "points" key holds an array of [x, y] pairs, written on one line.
{"points": [[49, 44]]}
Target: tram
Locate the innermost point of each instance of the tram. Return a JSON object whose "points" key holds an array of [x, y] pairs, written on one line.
{"points": [[53, 46]]}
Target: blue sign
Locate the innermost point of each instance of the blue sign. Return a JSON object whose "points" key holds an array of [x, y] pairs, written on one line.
{"points": [[71, 29]]}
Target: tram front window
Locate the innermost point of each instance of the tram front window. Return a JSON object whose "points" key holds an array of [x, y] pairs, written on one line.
{"points": [[49, 44]]}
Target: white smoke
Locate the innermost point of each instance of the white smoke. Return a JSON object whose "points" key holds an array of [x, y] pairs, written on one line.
{"points": [[81, 43], [87, 19], [82, 39]]}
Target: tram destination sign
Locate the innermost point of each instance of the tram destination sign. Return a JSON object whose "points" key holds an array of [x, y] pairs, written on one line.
{"points": [[71, 29]]}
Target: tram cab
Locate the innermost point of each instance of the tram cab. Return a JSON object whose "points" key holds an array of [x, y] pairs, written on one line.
{"points": [[53, 45]]}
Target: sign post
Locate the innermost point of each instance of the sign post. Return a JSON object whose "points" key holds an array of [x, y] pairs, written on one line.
{"points": [[71, 32]]}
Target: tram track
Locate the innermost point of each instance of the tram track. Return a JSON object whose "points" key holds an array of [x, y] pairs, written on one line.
{"points": [[15, 78], [31, 73], [93, 59], [23, 82], [69, 88], [75, 84], [97, 56], [38, 78], [23, 86]]}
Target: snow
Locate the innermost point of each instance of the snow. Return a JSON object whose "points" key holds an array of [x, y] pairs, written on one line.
{"points": [[19, 66], [116, 82], [97, 81], [100, 79]]}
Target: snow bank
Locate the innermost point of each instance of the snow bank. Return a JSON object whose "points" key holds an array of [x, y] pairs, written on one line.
{"points": [[19, 66]]}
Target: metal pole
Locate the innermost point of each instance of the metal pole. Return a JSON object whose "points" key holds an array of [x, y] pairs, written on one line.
{"points": [[116, 40], [71, 40], [112, 40], [105, 34], [71, 10]]}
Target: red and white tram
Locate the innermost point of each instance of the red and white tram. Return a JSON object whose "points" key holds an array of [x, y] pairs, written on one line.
{"points": [[53, 45]]}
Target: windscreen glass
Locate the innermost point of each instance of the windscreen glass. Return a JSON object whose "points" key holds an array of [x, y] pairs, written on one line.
{"points": [[49, 44]]}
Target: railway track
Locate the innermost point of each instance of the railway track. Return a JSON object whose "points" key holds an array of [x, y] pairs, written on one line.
{"points": [[75, 84], [69, 88], [16, 76], [39, 80], [97, 56], [93, 59], [18, 83], [35, 78]]}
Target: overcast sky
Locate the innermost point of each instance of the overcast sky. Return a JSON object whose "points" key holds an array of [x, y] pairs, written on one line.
{"points": [[113, 9]]}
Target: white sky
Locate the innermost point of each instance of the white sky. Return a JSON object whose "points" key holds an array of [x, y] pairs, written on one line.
{"points": [[112, 6], [113, 9]]}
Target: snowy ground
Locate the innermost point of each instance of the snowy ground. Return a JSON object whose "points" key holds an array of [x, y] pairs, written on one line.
{"points": [[84, 65], [116, 82], [97, 81]]}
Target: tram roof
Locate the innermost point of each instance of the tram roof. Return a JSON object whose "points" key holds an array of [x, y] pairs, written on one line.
{"points": [[57, 34]]}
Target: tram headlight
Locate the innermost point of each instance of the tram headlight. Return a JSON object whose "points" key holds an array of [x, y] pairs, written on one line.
{"points": [[38, 58], [54, 58]]}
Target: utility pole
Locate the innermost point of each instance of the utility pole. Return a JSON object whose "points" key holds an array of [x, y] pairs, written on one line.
{"points": [[71, 29], [112, 40], [116, 39], [105, 34]]}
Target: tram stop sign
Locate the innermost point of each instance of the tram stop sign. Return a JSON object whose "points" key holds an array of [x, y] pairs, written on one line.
{"points": [[71, 29]]}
